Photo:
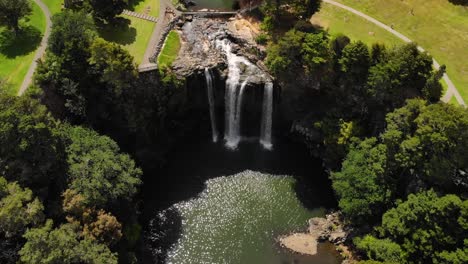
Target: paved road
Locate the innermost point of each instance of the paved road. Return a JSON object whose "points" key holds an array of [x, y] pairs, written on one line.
{"points": [[451, 90], [158, 30], [40, 51]]}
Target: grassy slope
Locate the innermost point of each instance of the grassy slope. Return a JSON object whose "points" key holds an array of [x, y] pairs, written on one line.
{"points": [[54, 6], [133, 38], [337, 20], [438, 26], [15, 59], [170, 50], [141, 6]]}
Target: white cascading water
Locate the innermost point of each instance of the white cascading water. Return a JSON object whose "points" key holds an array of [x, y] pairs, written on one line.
{"points": [[267, 113], [233, 95], [211, 102], [233, 99]]}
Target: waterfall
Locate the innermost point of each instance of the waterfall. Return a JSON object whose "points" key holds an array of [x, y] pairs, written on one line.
{"points": [[267, 113], [233, 95], [211, 102], [238, 67]]}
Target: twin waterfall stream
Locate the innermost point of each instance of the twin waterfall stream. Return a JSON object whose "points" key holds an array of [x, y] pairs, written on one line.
{"points": [[233, 100]]}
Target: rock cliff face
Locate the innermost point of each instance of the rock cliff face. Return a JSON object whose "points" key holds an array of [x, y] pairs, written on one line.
{"points": [[203, 46]]}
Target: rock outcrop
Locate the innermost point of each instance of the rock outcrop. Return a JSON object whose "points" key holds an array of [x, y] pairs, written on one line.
{"points": [[320, 230]]}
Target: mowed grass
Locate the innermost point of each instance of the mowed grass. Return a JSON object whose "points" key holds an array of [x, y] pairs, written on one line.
{"points": [[437, 25], [55, 6], [134, 37], [339, 21], [149, 7], [17, 53], [170, 50]]}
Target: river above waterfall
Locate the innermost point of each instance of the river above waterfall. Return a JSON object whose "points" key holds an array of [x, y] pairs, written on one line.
{"points": [[214, 205], [223, 5]]}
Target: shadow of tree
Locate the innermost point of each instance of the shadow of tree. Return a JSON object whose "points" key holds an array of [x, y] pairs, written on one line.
{"points": [[459, 2], [118, 32], [27, 40], [133, 3]]}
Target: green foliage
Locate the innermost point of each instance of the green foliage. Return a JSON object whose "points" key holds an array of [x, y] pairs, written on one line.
{"points": [[71, 35], [380, 249], [301, 9], [427, 225], [268, 24], [32, 153], [11, 11], [46, 245], [97, 169], [433, 89], [315, 52], [296, 50], [18, 209], [261, 39], [355, 62], [404, 71], [430, 142], [107, 10], [361, 184], [113, 64]]}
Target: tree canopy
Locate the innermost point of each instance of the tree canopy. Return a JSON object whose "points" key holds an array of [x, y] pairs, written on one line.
{"points": [[65, 245], [11, 11], [97, 169]]}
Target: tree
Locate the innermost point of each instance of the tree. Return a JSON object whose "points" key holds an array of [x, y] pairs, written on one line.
{"points": [[355, 63], [403, 73], [306, 8], [428, 142], [71, 36], [427, 226], [65, 245], [96, 224], [107, 10], [286, 54], [97, 169], [18, 209], [315, 52], [32, 153], [433, 89], [380, 249], [11, 11], [361, 185], [113, 64]]}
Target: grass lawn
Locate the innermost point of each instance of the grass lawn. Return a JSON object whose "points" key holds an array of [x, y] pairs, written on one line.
{"points": [[338, 20], [453, 101], [437, 25], [149, 7], [55, 6], [170, 50], [134, 37], [17, 53]]}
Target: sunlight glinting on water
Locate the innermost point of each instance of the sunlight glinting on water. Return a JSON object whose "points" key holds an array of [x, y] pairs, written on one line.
{"points": [[237, 218]]}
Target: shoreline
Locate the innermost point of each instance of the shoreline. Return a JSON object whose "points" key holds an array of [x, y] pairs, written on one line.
{"points": [[319, 230]]}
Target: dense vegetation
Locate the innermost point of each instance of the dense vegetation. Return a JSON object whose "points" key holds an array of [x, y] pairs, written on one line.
{"points": [[396, 155], [67, 193], [403, 180]]}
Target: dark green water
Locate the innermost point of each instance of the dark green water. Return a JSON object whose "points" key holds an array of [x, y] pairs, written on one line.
{"points": [[214, 4], [237, 218], [216, 206]]}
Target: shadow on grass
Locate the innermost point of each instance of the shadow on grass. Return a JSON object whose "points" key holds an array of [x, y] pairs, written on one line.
{"points": [[459, 2], [27, 40], [119, 32], [133, 3]]}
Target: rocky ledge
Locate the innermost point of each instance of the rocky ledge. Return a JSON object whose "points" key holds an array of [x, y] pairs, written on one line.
{"points": [[320, 230], [200, 47]]}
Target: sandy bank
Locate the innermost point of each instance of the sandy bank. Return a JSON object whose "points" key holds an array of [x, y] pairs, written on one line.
{"points": [[301, 243]]}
